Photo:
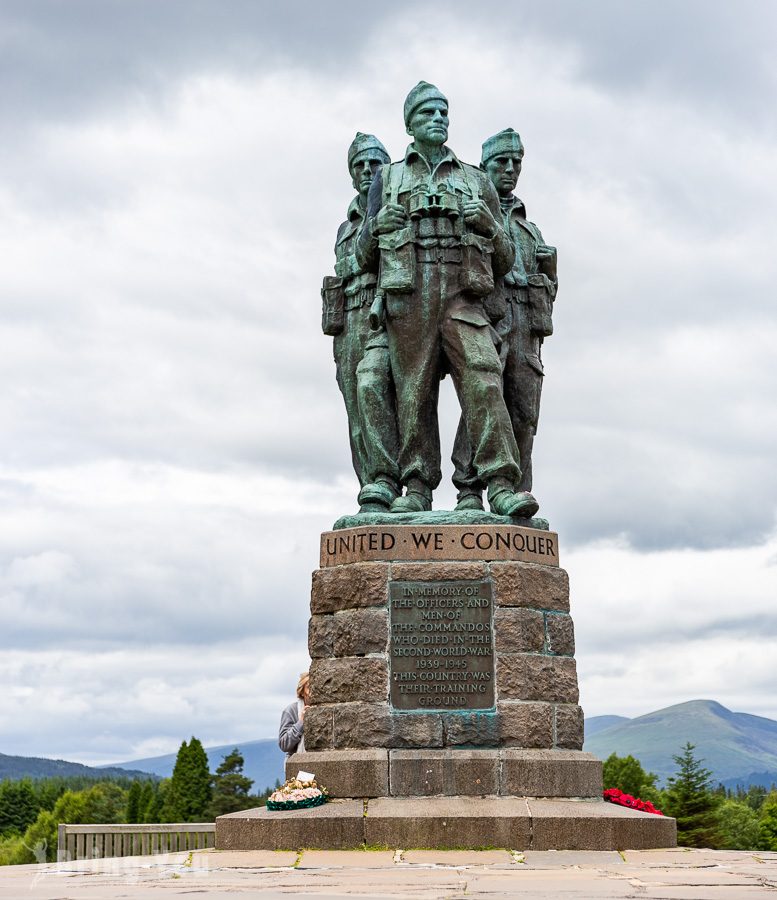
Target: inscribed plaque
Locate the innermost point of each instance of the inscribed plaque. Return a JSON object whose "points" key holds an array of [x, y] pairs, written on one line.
{"points": [[442, 651]]}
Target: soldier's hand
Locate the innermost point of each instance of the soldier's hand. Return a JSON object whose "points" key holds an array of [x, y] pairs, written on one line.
{"points": [[546, 260], [478, 216], [391, 217]]}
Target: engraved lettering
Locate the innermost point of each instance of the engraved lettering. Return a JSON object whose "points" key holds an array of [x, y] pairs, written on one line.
{"points": [[441, 634]]}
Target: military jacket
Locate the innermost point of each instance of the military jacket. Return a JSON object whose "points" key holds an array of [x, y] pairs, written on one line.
{"points": [[443, 188], [358, 283], [527, 237]]}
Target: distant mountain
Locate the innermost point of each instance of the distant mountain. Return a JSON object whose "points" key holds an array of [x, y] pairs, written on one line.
{"points": [[16, 767], [766, 780], [733, 745], [263, 762], [595, 724]]}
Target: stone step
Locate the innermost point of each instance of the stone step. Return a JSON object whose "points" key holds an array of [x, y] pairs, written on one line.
{"points": [[515, 823], [427, 772]]}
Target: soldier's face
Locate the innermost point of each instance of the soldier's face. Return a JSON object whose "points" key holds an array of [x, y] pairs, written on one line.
{"points": [[429, 123], [363, 170], [503, 170]]}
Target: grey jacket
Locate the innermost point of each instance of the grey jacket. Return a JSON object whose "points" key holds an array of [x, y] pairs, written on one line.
{"points": [[290, 738]]}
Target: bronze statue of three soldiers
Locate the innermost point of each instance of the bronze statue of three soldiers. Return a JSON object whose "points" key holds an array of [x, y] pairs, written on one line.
{"points": [[439, 272]]}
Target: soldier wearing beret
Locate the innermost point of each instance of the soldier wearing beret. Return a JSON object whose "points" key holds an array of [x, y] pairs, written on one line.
{"points": [[435, 227], [361, 354], [526, 298]]}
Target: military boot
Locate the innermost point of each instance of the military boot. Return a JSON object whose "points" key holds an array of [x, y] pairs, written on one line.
{"points": [[469, 498], [418, 498], [504, 501], [377, 496]]}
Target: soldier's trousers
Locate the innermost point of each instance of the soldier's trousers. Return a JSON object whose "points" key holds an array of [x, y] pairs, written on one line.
{"points": [[364, 377], [523, 377], [435, 329]]}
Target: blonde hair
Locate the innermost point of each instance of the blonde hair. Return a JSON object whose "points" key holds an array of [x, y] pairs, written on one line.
{"points": [[304, 678]]}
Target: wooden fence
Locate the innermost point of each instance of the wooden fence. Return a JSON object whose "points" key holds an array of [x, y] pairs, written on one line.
{"points": [[100, 841]]}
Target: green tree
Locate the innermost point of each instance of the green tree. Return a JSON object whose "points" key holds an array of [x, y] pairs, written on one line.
{"points": [[690, 800], [39, 843], [102, 804], [10, 849], [755, 796], [626, 774], [737, 825], [189, 794], [767, 829], [145, 800], [133, 803], [154, 811], [230, 786], [19, 806]]}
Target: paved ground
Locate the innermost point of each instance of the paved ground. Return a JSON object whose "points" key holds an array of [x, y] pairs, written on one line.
{"points": [[582, 875]]}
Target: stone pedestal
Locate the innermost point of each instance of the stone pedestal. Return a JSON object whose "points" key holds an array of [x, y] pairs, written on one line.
{"points": [[443, 668]]}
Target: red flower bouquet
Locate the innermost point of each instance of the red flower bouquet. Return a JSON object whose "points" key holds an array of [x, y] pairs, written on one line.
{"points": [[613, 795]]}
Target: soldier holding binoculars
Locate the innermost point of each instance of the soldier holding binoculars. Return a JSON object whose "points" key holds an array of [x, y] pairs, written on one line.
{"points": [[435, 234]]}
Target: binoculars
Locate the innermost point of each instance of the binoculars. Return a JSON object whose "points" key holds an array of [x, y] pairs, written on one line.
{"points": [[425, 203]]}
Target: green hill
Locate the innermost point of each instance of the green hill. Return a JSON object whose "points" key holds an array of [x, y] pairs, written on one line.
{"points": [[733, 745], [595, 724], [17, 767]]}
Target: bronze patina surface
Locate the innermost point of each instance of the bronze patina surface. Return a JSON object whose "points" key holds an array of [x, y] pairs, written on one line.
{"points": [[439, 273]]}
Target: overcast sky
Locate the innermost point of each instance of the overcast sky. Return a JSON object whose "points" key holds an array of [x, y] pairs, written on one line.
{"points": [[172, 176]]}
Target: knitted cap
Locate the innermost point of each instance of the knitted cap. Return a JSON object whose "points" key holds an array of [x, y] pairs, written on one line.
{"points": [[507, 141], [422, 92], [364, 142]]}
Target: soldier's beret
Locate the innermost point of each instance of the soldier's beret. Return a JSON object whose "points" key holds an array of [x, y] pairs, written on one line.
{"points": [[507, 141], [422, 92], [364, 142]]}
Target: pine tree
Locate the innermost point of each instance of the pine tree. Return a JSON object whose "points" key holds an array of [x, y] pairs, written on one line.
{"points": [[133, 803], [145, 801], [19, 806], [230, 786], [690, 800], [154, 811], [189, 793], [201, 781], [174, 803]]}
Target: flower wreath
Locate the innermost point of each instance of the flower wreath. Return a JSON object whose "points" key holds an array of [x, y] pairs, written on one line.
{"points": [[613, 795]]}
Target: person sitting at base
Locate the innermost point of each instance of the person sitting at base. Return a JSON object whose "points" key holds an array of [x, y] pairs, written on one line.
{"points": [[290, 734]]}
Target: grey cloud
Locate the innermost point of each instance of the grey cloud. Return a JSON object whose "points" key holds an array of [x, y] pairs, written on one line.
{"points": [[152, 572], [756, 626], [174, 439], [86, 57], [63, 59], [136, 700], [714, 53]]}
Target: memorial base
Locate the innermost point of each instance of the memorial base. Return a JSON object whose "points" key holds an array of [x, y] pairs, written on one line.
{"points": [[444, 699], [446, 823]]}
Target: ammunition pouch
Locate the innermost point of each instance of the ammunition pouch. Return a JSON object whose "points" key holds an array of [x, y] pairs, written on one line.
{"points": [[542, 292], [477, 274], [495, 304], [332, 305], [397, 261]]}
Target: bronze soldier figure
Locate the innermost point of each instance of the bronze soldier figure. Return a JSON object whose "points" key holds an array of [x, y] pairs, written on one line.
{"points": [[436, 227], [525, 301], [361, 354]]}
